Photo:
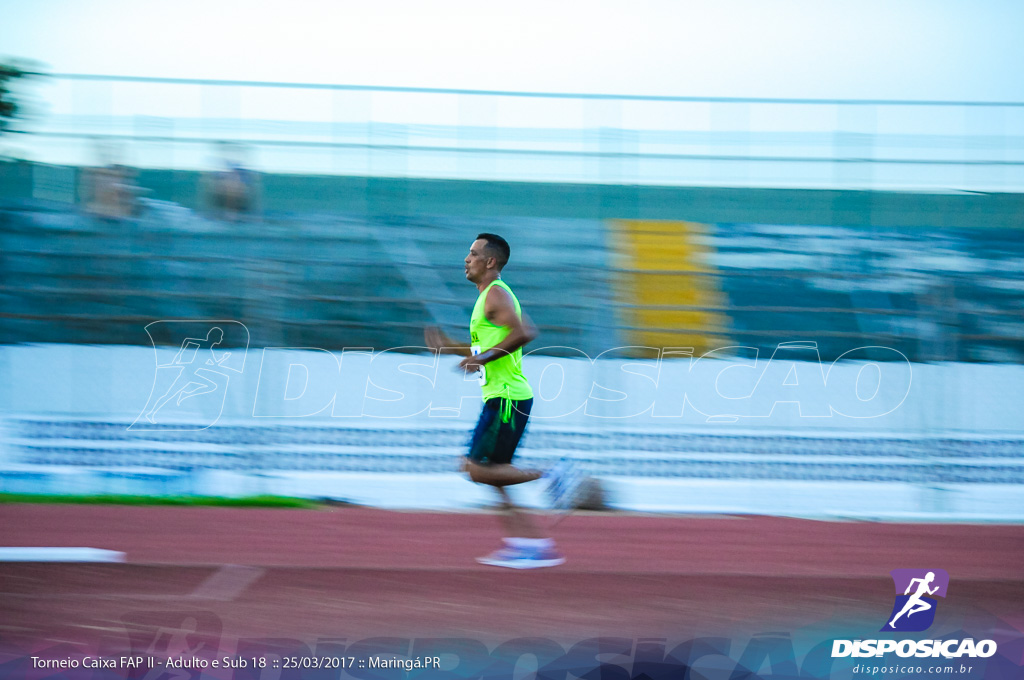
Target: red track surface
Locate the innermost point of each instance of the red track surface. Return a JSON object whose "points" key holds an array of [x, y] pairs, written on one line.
{"points": [[356, 573]]}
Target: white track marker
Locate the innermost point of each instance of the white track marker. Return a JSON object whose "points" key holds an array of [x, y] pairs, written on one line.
{"points": [[60, 555], [227, 583]]}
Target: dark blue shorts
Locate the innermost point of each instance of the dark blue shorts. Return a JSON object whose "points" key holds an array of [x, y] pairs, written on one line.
{"points": [[494, 442]]}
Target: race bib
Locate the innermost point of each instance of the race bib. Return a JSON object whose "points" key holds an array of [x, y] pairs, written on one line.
{"points": [[475, 349]]}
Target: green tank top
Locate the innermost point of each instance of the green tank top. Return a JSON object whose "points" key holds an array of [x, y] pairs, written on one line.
{"points": [[502, 377]]}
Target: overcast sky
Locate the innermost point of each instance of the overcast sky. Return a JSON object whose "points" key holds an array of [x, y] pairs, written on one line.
{"points": [[891, 49]]}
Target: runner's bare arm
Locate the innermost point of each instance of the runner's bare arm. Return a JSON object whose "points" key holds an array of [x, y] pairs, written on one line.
{"points": [[438, 341], [501, 311]]}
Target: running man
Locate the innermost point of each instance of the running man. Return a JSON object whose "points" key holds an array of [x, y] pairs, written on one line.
{"points": [[915, 604], [198, 381], [499, 330]]}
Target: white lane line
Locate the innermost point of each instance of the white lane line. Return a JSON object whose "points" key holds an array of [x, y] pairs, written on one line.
{"points": [[227, 583], [60, 555]]}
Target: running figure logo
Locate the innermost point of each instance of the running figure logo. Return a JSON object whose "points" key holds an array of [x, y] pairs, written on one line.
{"points": [[164, 635], [201, 366], [914, 609]]}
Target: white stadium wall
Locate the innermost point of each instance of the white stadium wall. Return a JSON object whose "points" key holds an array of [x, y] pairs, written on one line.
{"points": [[786, 434]]}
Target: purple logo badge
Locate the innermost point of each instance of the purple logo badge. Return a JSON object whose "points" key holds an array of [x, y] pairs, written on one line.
{"points": [[914, 609]]}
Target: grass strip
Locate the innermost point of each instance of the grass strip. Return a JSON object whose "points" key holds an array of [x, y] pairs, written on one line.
{"points": [[126, 499]]}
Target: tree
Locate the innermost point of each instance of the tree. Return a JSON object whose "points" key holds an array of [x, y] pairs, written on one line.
{"points": [[8, 103]]}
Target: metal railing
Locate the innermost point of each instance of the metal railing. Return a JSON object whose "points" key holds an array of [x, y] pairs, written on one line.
{"points": [[532, 136]]}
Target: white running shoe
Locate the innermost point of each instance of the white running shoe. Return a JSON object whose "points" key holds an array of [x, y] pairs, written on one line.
{"points": [[515, 558], [564, 481]]}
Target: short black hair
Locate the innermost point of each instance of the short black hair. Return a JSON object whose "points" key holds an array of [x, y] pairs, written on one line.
{"points": [[497, 247]]}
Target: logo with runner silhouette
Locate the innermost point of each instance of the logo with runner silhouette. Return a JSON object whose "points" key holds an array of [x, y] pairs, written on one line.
{"points": [[190, 635], [195, 361], [916, 589]]}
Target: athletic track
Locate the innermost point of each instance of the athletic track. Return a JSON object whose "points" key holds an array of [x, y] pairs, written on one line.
{"points": [[356, 573]]}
